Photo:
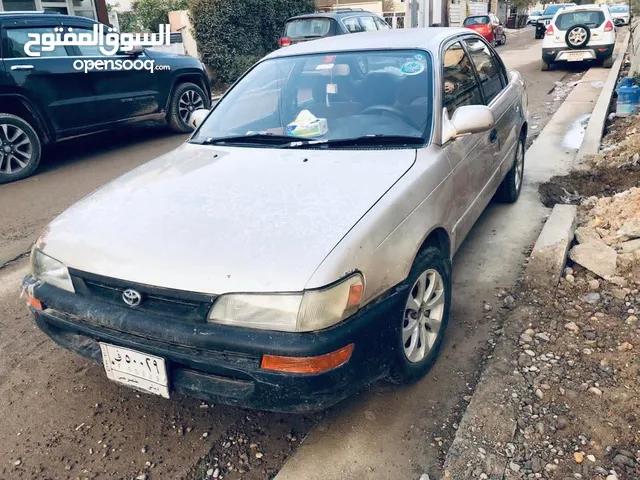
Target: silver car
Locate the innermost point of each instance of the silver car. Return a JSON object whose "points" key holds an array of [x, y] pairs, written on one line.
{"points": [[299, 245]]}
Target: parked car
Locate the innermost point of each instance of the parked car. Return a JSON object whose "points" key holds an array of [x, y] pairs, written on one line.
{"points": [[533, 17], [299, 245], [339, 21], [547, 16], [579, 34], [620, 14], [46, 99], [489, 26]]}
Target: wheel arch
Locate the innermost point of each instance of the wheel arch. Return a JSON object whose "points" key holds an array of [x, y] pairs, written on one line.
{"points": [[438, 237], [20, 106]]}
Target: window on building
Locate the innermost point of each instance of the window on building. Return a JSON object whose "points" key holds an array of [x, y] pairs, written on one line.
{"points": [[17, 5], [83, 8]]}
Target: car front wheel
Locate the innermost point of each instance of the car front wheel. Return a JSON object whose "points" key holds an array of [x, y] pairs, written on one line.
{"points": [[423, 318], [187, 98], [19, 148]]}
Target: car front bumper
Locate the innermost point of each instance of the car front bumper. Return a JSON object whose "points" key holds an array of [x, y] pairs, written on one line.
{"points": [[221, 364], [562, 54]]}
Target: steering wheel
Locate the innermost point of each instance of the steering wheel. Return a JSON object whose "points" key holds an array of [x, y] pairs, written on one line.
{"points": [[374, 109]]}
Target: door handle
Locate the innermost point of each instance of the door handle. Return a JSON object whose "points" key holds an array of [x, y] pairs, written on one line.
{"points": [[22, 67], [493, 136]]}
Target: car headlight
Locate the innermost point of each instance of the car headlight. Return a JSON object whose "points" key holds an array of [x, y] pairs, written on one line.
{"points": [[297, 312], [51, 271]]}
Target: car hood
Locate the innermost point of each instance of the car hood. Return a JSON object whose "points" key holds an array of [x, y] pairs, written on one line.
{"points": [[214, 220]]}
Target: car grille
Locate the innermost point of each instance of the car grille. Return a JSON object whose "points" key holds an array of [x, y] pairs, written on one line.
{"points": [[175, 304]]}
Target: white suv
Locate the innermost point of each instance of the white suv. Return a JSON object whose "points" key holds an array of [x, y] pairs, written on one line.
{"points": [[578, 34]]}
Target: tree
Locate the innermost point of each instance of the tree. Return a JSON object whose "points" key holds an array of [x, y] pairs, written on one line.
{"points": [[232, 35]]}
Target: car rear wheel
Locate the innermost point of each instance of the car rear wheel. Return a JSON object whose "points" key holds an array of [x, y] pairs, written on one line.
{"points": [[422, 321], [509, 189], [545, 67], [608, 62], [503, 39], [187, 98], [19, 148]]}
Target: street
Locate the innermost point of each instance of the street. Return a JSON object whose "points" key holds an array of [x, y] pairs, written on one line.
{"points": [[63, 419]]}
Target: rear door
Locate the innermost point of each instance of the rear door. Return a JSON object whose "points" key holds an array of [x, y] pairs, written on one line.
{"points": [[471, 156], [51, 80]]}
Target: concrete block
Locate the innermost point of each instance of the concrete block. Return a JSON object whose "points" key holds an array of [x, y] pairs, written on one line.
{"points": [[550, 252]]}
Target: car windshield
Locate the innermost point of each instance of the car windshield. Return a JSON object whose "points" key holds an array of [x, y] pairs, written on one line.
{"points": [[470, 21], [308, 28], [619, 9], [327, 98], [593, 18]]}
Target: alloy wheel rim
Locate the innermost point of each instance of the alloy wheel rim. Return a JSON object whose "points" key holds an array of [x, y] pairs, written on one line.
{"points": [[189, 102], [16, 149], [423, 315], [577, 36], [519, 166]]}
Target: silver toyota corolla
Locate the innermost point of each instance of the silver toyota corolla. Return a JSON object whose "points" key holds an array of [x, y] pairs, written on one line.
{"points": [[299, 245]]}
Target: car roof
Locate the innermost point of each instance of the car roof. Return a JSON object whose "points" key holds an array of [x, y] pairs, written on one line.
{"points": [[333, 14], [428, 39], [38, 15]]}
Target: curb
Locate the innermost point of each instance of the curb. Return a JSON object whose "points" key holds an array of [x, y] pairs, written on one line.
{"points": [[478, 421], [595, 128]]}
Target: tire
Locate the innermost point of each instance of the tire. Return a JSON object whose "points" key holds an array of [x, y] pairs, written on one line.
{"points": [[431, 268], [509, 189], [575, 30], [503, 40], [607, 62], [545, 67], [20, 148], [538, 36], [187, 97]]}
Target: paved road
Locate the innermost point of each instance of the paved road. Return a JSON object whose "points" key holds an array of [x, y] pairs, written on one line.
{"points": [[62, 418]]}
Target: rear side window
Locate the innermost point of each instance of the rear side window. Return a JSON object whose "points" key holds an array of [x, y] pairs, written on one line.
{"points": [[368, 24], [352, 24], [382, 25], [309, 28], [490, 72], [470, 21], [16, 38], [460, 84], [592, 18]]}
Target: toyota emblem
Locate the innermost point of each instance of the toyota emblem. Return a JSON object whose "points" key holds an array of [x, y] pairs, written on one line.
{"points": [[131, 297]]}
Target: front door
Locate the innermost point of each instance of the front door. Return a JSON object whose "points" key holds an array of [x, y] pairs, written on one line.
{"points": [[119, 92]]}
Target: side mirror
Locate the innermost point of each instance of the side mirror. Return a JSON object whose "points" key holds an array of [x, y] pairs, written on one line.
{"points": [[197, 117], [466, 120]]}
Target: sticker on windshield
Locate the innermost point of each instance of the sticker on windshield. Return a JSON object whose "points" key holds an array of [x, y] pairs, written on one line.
{"points": [[419, 57], [412, 68]]}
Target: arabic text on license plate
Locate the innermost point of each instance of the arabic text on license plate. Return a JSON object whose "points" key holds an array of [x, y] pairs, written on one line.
{"points": [[138, 370], [575, 56]]}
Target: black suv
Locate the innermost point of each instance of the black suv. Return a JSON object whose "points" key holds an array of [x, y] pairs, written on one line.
{"points": [[547, 15], [53, 97], [336, 22]]}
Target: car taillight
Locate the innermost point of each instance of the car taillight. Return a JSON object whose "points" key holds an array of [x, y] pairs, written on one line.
{"points": [[550, 30], [608, 26], [284, 42]]}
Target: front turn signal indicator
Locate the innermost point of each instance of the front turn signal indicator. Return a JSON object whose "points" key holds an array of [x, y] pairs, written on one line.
{"points": [[319, 364]]}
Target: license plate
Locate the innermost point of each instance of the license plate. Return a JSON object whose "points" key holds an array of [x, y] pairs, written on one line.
{"points": [[575, 57], [138, 370]]}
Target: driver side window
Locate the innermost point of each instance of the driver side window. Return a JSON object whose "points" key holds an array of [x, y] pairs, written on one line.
{"points": [[460, 86]]}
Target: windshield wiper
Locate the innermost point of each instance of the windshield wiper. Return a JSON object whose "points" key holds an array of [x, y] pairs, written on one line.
{"points": [[363, 141], [250, 139]]}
